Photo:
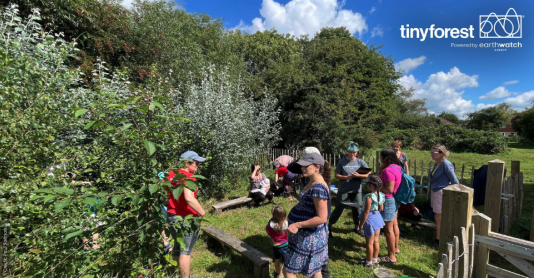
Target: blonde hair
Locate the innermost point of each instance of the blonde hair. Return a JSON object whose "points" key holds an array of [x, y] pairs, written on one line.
{"points": [[279, 218], [442, 149], [396, 142]]}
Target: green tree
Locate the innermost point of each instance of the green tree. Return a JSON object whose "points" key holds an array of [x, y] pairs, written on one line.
{"points": [[490, 118], [451, 117], [523, 123]]}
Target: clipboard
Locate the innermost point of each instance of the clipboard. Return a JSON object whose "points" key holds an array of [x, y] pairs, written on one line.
{"points": [[363, 170]]}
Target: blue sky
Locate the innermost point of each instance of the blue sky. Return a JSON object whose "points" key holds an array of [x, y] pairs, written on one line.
{"points": [[453, 79]]}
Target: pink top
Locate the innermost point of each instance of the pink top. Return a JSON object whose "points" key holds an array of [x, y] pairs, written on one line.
{"points": [[279, 238], [392, 173]]}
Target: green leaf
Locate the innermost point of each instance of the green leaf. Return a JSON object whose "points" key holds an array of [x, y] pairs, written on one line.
{"points": [[80, 112], [126, 126], [153, 188], [163, 98], [103, 193], [150, 147], [36, 197], [152, 106], [88, 170], [116, 200], [99, 124], [177, 192], [89, 125], [198, 177], [59, 206], [77, 233], [66, 191], [43, 191], [157, 104], [133, 99], [89, 201], [48, 198], [135, 200], [191, 185]]}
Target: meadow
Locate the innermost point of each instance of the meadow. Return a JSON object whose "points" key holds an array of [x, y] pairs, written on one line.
{"points": [[346, 248]]}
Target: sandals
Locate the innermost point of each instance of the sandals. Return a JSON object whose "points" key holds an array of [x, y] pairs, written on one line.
{"points": [[386, 259]]}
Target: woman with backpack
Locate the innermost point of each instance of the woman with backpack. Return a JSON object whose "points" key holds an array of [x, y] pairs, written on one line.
{"points": [[391, 176], [396, 146], [441, 176]]}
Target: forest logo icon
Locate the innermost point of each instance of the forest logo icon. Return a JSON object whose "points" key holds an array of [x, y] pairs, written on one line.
{"points": [[495, 26]]}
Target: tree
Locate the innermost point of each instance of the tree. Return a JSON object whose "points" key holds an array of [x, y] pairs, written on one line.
{"points": [[451, 117], [490, 118], [523, 123]]}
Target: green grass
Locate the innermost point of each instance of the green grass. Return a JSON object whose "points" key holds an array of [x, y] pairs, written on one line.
{"points": [[416, 259]]}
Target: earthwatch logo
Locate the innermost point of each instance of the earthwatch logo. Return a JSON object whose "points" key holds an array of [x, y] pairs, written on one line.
{"points": [[492, 26]]}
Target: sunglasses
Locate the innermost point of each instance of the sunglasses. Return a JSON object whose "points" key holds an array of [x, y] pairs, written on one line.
{"points": [[436, 152]]}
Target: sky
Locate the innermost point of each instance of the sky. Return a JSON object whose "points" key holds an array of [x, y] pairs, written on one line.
{"points": [[450, 73]]}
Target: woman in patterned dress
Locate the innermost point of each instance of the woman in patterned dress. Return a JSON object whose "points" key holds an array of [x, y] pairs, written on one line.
{"points": [[308, 231]]}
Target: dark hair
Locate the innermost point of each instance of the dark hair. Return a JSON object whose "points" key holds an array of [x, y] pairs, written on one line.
{"points": [[252, 167], [376, 179], [279, 218], [327, 173], [391, 158]]}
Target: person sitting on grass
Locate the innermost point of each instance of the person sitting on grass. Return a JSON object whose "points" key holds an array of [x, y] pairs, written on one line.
{"points": [[409, 211], [370, 219], [277, 229]]}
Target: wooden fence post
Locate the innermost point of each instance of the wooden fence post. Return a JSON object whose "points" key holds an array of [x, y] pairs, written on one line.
{"points": [[492, 202], [428, 194], [482, 227], [472, 176], [377, 162], [532, 227], [516, 167], [456, 214]]}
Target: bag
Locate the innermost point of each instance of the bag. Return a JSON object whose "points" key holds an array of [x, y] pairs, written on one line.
{"points": [[406, 191]]}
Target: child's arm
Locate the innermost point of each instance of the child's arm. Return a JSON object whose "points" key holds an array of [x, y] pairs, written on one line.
{"points": [[365, 214], [381, 207]]}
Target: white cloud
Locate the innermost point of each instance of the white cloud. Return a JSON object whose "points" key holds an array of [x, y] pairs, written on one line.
{"points": [[409, 64], [521, 101], [441, 91], [377, 32], [511, 82], [127, 3], [498, 92], [305, 17], [373, 9]]}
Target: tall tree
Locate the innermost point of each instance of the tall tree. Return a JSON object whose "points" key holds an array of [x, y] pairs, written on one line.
{"points": [[490, 118], [451, 117]]}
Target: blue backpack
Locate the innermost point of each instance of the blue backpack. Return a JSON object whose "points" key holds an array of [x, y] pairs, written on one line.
{"points": [[406, 191]]}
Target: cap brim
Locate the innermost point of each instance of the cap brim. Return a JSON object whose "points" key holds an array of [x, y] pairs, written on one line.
{"points": [[199, 159], [294, 168]]}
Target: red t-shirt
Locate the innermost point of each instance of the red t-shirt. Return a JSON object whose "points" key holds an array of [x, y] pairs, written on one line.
{"points": [[282, 171], [406, 208], [180, 206]]}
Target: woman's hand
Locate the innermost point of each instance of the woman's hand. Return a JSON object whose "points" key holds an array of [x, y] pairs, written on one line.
{"points": [[256, 167], [293, 228], [361, 227]]}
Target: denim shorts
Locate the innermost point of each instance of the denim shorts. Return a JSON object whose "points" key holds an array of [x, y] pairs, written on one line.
{"points": [[280, 252], [189, 239], [391, 208]]}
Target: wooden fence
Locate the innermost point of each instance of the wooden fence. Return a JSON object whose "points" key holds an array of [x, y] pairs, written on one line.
{"points": [[458, 256]]}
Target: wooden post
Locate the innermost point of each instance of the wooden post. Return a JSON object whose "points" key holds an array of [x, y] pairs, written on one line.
{"points": [[516, 167], [462, 176], [378, 162], [472, 176], [492, 202], [521, 193], [422, 175], [514, 181], [414, 169], [482, 227], [532, 227], [455, 215]]}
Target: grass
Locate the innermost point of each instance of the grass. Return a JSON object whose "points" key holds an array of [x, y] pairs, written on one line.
{"points": [[346, 248]]}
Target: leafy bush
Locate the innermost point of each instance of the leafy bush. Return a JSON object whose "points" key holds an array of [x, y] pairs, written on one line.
{"points": [[455, 138], [119, 137], [228, 127]]}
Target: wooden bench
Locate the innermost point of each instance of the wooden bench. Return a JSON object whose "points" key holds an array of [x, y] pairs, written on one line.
{"points": [[239, 201], [260, 260], [423, 223]]}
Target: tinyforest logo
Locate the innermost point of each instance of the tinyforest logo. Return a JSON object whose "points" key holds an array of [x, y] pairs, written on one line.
{"points": [[495, 26]]}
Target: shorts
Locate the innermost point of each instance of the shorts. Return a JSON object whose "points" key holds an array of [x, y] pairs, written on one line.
{"points": [[189, 239], [437, 200], [391, 207], [280, 252]]}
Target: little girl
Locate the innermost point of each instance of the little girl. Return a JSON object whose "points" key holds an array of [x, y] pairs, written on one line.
{"points": [[370, 219], [277, 230]]}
